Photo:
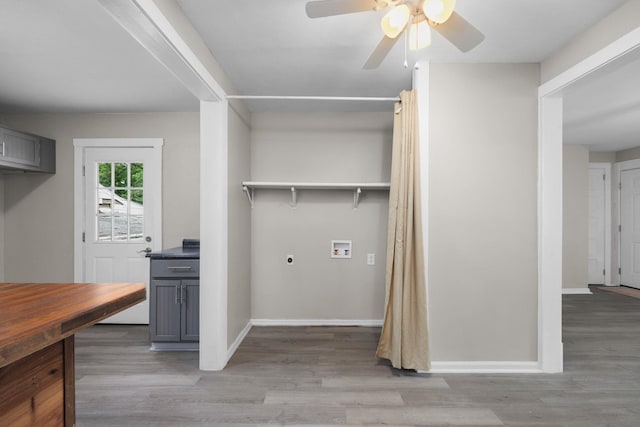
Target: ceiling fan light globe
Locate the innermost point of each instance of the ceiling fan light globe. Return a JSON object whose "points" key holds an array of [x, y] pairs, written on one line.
{"points": [[394, 22], [419, 35], [438, 11]]}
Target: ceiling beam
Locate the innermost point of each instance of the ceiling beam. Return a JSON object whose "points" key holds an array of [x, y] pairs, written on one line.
{"points": [[148, 25]]}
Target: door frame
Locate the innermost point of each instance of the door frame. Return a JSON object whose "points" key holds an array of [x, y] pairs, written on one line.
{"points": [[607, 217], [550, 120], [79, 147], [620, 167]]}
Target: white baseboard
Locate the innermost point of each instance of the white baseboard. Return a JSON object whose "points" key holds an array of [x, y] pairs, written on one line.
{"points": [[236, 343], [437, 367], [485, 368], [316, 322], [576, 291]]}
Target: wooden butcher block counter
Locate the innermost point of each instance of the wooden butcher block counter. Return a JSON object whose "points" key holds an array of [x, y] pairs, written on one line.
{"points": [[37, 326]]}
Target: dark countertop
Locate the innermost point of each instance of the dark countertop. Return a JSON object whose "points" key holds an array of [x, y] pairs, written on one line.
{"points": [[176, 253]]}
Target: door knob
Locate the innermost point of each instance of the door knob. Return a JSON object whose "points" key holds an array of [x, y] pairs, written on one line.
{"points": [[144, 251]]}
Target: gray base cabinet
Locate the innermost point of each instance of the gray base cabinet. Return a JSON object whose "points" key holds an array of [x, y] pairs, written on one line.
{"points": [[174, 302]]}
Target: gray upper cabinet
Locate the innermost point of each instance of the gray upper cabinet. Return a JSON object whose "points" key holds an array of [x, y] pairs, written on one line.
{"points": [[20, 151]]}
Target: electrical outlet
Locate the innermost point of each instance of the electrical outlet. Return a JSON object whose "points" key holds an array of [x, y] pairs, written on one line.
{"points": [[371, 259], [289, 259]]}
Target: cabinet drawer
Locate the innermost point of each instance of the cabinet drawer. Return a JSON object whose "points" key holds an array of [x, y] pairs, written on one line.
{"points": [[175, 268]]}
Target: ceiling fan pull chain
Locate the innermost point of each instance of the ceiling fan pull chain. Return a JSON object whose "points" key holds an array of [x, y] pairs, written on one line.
{"points": [[406, 64], [406, 41]]}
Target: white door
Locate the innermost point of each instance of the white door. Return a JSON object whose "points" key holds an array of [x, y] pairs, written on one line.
{"points": [[121, 188], [630, 228], [597, 226]]}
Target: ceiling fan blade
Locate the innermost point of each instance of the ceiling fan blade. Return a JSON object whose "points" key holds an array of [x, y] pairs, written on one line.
{"points": [[322, 8], [459, 32], [380, 52]]}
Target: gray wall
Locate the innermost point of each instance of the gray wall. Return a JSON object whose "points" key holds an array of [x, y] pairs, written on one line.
{"points": [[331, 147], [39, 208], [482, 280], [575, 216], [630, 154], [623, 20], [239, 243], [602, 157]]}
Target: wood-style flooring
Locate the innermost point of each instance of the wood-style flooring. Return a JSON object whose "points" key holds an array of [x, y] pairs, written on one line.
{"points": [[325, 376]]}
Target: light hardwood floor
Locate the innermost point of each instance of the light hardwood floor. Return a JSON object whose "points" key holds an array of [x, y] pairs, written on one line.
{"points": [[325, 376]]}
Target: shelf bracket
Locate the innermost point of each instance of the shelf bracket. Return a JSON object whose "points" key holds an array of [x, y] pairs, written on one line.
{"points": [[356, 197], [294, 197], [249, 193]]}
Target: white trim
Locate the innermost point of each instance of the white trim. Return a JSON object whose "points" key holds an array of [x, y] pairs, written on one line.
{"points": [[214, 234], [236, 343], [550, 234], [628, 165], [79, 146], [601, 58], [317, 98], [576, 291], [607, 216], [175, 40], [317, 322], [484, 368], [118, 142], [618, 168], [550, 205]]}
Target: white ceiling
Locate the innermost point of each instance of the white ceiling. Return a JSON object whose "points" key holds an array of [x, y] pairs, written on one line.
{"points": [[71, 56], [277, 50]]}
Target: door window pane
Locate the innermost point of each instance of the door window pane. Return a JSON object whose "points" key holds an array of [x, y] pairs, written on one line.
{"points": [[104, 228], [137, 176], [120, 227], [121, 175], [105, 174], [136, 197]]}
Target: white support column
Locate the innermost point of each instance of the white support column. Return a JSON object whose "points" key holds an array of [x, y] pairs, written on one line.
{"points": [[550, 233], [214, 235]]}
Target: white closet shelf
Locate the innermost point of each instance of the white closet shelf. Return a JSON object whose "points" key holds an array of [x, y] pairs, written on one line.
{"points": [[357, 188]]}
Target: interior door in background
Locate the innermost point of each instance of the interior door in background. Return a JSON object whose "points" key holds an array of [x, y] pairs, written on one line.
{"points": [[630, 228], [597, 231], [120, 184]]}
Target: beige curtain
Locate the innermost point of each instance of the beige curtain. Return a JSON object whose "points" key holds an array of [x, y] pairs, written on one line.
{"points": [[404, 339]]}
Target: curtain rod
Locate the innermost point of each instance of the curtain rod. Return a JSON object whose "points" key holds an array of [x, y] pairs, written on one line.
{"points": [[315, 98]]}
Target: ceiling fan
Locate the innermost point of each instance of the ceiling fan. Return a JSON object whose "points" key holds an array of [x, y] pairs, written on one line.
{"points": [[415, 17]]}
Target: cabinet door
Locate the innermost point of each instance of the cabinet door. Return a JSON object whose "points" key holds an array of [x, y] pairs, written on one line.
{"points": [[164, 315], [190, 310], [20, 148]]}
